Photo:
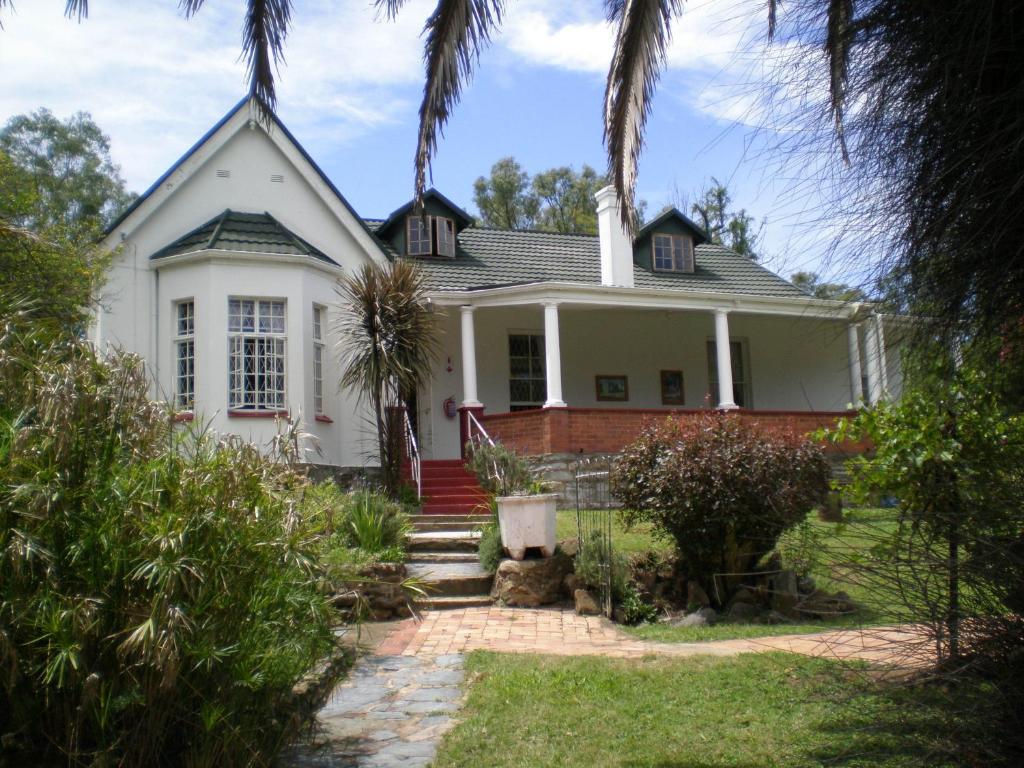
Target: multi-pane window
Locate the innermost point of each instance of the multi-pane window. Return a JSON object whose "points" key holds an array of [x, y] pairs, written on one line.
{"points": [[185, 355], [739, 373], [673, 253], [256, 354], [318, 361], [430, 236], [527, 382]]}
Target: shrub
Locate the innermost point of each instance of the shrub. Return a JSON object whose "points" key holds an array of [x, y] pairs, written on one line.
{"points": [[722, 489], [500, 471], [589, 569], [801, 547], [159, 593], [375, 523]]}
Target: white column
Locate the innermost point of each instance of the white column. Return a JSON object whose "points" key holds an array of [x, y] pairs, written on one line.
{"points": [[552, 357], [856, 386], [871, 356], [469, 394], [725, 401], [882, 364]]}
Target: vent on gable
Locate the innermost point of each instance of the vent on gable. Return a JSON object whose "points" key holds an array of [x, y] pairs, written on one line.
{"points": [[277, 178], [223, 174]]}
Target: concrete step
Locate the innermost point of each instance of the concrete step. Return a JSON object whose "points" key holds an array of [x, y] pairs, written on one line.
{"points": [[469, 520], [427, 558], [426, 527], [446, 541], [450, 603]]}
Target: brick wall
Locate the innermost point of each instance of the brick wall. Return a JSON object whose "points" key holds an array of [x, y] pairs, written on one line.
{"points": [[608, 430]]}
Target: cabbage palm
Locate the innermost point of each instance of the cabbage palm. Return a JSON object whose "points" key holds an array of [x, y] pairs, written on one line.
{"points": [[388, 341], [458, 30]]}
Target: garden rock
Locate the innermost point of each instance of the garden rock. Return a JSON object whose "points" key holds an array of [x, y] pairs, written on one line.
{"points": [[586, 605], [784, 593], [743, 595], [695, 595], [570, 584], [822, 605], [805, 585], [705, 617], [744, 612], [774, 617], [570, 547], [529, 583]]}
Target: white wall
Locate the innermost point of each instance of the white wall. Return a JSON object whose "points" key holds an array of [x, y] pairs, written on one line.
{"points": [[138, 298], [797, 364]]}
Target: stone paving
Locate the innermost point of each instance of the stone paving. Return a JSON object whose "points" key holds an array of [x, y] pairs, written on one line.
{"points": [[390, 712]]}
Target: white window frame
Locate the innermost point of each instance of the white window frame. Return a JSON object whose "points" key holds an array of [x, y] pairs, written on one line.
{"points": [[257, 332], [318, 360], [742, 391], [680, 253], [420, 244], [185, 355], [538, 371]]}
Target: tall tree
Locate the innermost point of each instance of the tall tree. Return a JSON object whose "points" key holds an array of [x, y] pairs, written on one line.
{"points": [[77, 186], [813, 284], [504, 198], [725, 226], [567, 199]]}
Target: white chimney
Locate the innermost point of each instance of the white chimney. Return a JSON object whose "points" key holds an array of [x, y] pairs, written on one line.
{"points": [[616, 244]]}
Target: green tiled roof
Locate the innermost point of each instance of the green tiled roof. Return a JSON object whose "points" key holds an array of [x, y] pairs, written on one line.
{"points": [[245, 232], [488, 258]]}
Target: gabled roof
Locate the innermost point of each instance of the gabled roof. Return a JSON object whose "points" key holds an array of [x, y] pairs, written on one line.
{"points": [[700, 236], [242, 232], [491, 258], [242, 104], [462, 218]]}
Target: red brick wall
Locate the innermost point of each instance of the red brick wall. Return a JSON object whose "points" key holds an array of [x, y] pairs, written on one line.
{"points": [[608, 430]]}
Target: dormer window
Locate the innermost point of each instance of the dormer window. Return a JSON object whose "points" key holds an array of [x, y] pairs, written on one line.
{"points": [[673, 253], [430, 236]]}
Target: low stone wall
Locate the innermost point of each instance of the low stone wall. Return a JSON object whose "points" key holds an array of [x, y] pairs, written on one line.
{"points": [[380, 589], [347, 478], [558, 472]]}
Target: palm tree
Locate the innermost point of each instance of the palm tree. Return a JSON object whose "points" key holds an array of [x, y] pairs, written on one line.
{"points": [[387, 344], [458, 31]]}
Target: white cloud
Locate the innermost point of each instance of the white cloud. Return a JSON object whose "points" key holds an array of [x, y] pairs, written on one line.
{"points": [[156, 81]]}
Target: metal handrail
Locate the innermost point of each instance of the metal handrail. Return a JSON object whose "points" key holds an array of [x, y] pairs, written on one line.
{"points": [[413, 452], [481, 432]]}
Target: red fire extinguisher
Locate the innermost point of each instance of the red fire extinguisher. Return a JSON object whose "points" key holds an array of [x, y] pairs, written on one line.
{"points": [[449, 408]]}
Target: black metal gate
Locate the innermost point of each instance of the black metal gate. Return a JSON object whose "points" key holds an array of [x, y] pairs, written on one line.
{"points": [[594, 515]]}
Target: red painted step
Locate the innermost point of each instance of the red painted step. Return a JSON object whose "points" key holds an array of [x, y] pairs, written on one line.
{"points": [[449, 489]]}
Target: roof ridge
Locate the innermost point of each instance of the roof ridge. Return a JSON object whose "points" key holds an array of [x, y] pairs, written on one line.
{"points": [[217, 229]]}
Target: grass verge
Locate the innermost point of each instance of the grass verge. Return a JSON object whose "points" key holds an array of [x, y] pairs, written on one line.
{"points": [[770, 709]]}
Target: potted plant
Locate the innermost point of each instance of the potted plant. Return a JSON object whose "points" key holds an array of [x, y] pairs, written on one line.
{"points": [[526, 514]]}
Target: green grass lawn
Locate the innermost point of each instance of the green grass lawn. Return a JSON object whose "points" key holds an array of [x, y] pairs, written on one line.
{"points": [[746, 711], [632, 541]]}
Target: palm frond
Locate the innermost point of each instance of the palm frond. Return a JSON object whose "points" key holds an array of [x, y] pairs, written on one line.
{"points": [[640, 44], [263, 36], [837, 47], [613, 9], [389, 7], [456, 32], [190, 7], [73, 8], [773, 8]]}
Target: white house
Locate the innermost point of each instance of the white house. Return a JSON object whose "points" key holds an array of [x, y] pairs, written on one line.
{"points": [[224, 283]]}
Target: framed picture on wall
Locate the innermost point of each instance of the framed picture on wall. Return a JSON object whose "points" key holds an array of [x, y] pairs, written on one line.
{"points": [[672, 392], [612, 388]]}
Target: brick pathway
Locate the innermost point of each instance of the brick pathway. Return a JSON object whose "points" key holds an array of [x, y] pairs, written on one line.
{"points": [[560, 632]]}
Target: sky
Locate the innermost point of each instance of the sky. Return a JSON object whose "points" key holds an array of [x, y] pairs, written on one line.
{"points": [[350, 89]]}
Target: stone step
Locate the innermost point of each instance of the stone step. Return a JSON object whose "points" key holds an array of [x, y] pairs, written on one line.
{"points": [[442, 557], [447, 541], [451, 579], [450, 603]]}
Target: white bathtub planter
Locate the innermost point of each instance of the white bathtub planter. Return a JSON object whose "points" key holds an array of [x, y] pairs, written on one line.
{"points": [[527, 521]]}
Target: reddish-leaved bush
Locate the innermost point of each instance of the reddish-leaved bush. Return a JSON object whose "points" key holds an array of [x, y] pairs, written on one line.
{"points": [[722, 488]]}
